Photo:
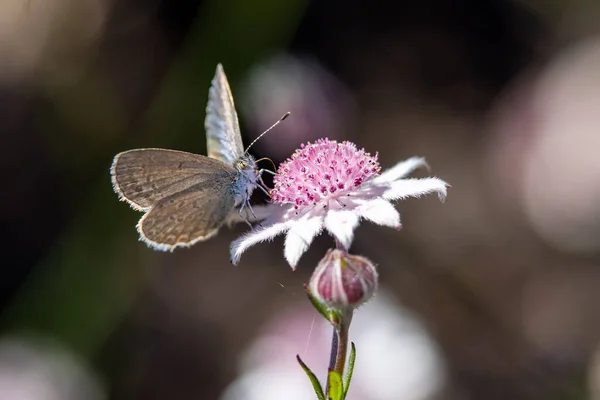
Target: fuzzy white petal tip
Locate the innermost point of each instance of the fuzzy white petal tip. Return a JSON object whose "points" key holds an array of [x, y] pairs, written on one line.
{"points": [[405, 188], [380, 212], [402, 169], [299, 238], [248, 240]]}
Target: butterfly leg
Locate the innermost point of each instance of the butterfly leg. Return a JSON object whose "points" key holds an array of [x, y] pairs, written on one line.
{"points": [[264, 190], [247, 202], [262, 185], [260, 171], [241, 213], [254, 215]]}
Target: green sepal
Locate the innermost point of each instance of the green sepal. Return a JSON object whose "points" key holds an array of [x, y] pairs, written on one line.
{"points": [[335, 317], [335, 390], [313, 379], [349, 369], [320, 307]]}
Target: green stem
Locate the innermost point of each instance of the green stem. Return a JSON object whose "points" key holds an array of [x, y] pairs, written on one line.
{"points": [[341, 336], [339, 345]]}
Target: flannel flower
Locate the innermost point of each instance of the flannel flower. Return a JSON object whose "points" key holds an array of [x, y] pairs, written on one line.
{"points": [[332, 186]]}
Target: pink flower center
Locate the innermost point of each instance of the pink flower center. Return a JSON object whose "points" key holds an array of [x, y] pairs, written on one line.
{"points": [[322, 171]]}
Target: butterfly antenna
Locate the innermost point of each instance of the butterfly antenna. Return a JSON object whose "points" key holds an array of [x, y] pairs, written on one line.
{"points": [[287, 114]]}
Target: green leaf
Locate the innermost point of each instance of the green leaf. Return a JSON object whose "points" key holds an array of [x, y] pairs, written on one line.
{"points": [[313, 379], [349, 369], [334, 390], [320, 307]]}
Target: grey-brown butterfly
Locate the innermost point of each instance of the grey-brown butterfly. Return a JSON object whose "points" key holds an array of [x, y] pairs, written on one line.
{"points": [[187, 197]]}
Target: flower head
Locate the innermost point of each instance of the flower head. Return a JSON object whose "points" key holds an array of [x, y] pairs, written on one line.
{"points": [[333, 185], [322, 172], [343, 281]]}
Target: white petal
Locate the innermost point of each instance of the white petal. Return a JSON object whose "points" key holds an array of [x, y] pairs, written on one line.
{"points": [[401, 170], [299, 237], [253, 237], [381, 212], [404, 188], [341, 224]]}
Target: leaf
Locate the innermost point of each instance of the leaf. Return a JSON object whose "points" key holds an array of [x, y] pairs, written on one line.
{"points": [[313, 379], [349, 369], [334, 390]]}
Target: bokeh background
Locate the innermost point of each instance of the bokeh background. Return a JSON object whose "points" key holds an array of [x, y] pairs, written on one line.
{"points": [[493, 295]]}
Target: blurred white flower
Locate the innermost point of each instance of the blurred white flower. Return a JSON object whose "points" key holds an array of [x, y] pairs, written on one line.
{"points": [[50, 36], [321, 106], [41, 370], [561, 178]]}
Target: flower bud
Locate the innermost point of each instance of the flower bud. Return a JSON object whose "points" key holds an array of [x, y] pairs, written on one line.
{"points": [[343, 281]]}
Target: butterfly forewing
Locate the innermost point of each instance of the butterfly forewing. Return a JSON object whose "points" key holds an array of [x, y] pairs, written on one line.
{"points": [[223, 137], [188, 217], [143, 177]]}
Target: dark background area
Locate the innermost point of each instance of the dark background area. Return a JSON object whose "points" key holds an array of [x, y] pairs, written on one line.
{"points": [[501, 97]]}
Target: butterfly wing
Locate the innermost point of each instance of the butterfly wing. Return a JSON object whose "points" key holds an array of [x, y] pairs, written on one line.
{"points": [[143, 177], [223, 137], [187, 217]]}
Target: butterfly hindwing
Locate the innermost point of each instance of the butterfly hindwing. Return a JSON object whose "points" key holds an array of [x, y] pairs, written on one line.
{"points": [[188, 217]]}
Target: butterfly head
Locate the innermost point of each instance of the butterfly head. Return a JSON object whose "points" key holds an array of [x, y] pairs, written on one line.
{"points": [[245, 164]]}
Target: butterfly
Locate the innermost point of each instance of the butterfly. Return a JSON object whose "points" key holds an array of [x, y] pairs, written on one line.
{"points": [[187, 197]]}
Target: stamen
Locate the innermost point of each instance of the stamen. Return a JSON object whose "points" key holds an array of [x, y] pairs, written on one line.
{"points": [[322, 171]]}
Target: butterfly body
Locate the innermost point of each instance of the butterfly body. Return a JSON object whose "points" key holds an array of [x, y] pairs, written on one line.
{"points": [[187, 197], [246, 179]]}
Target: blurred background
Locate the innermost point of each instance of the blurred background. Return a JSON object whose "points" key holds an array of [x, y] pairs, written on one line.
{"points": [[493, 295]]}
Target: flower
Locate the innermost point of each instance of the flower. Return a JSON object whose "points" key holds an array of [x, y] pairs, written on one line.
{"points": [[343, 281], [333, 185]]}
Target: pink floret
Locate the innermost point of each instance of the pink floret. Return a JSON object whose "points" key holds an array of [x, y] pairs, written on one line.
{"points": [[322, 171]]}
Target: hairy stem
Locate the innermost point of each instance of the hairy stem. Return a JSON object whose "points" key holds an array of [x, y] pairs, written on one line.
{"points": [[341, 336], [339, 345]]}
